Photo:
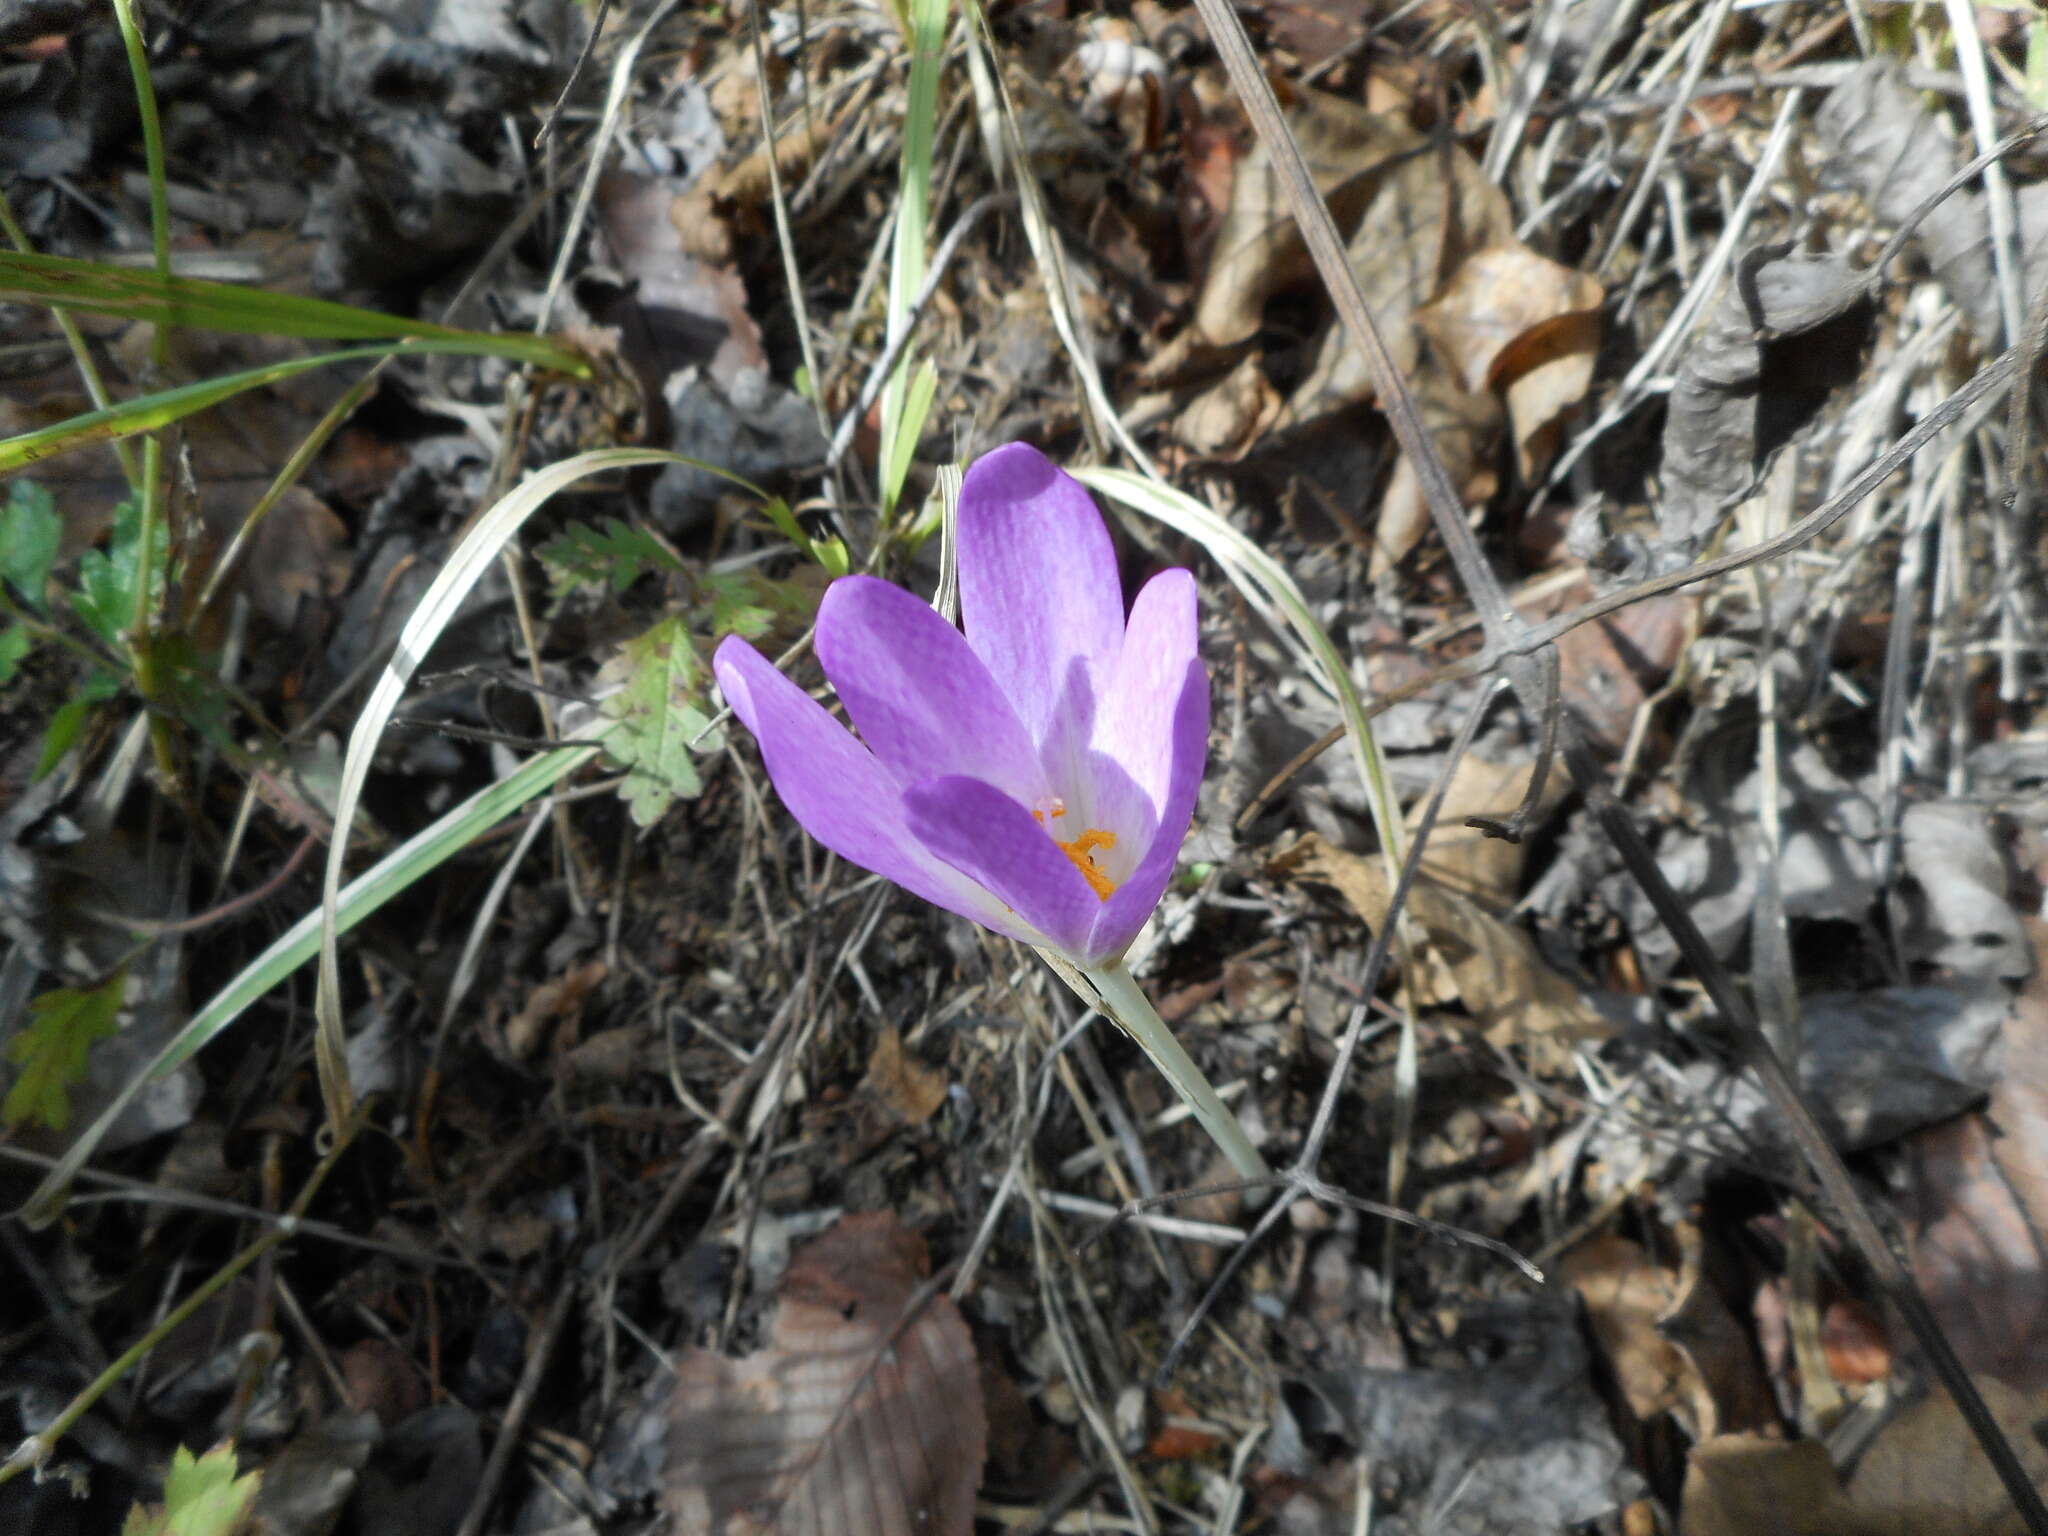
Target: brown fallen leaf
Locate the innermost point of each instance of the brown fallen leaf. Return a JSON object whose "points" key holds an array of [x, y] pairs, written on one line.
{"points": [[1470, 955], [1425, 207], [862, 1416], [691, 309], [1464, 426], [1464, 859], [1608, 668], [1977, 1207], [1226, 419], [905, 1086], [1925, 1471], [1518, 323], [1672, 1343], [1258, 251], [1745, 1485]]}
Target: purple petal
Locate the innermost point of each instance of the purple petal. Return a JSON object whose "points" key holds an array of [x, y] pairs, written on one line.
{"points": [[924, 702], [992, 840], [836, 789], [1038, 583], [1187, 734], [1143, 697]]}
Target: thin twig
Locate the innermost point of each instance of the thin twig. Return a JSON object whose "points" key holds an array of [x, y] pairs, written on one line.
{"points": [[537, 1358]]}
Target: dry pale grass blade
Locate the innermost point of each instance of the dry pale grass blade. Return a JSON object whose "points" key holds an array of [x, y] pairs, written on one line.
{"points": [[862, 1417]]}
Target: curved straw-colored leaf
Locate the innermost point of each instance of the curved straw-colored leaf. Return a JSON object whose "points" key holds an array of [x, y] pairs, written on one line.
{"points": [[424, 852], [1266, 582], [146, 413], [190, 303], [437, 606]]}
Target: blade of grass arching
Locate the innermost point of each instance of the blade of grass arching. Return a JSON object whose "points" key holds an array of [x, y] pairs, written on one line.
{"points": [[1266, 582], [437, 606], [146, 413], [191, 303], [913, 215], [404, 866]]}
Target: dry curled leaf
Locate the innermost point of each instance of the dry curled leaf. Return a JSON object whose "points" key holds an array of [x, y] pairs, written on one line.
{"points": [[1516, 322], [1881, 139], [1470, 955], [1739, 1485], [1258, 250], [1926, 1472], [1668, 1337], [1788, 332], [906, 1087], [1463, 858], [862, 1417], [1423, 207]]}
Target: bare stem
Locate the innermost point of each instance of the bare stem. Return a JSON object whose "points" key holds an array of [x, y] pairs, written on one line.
{"points": [[1111, 990]]}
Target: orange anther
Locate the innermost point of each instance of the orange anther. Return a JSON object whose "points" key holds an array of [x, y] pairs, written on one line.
{"points": [[1081, 850]]}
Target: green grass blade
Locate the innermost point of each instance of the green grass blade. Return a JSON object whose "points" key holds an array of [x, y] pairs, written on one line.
{"points": [[194, 304], [437, 606], [402, 867], [147, 413], [913, 211]]}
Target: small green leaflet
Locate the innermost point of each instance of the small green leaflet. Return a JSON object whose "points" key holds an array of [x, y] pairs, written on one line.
{"points": [[656, 714], [105, 598], [829, 552], [30, 531], [615, 556], [202, 1497], [15, 643], [742, 603], [70, 719], [63, 1027]]}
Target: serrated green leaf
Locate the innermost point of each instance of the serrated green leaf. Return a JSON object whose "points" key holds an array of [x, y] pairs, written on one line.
{"points": [[202, 1497], [189, 686], [51, 1051], [655, 716], [30, 531], [15, 643], [107, 578], [615, 556], [737, 604], [69, 719]]}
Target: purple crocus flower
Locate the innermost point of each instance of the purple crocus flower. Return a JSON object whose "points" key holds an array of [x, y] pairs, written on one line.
{"points": [[1038, 772]]}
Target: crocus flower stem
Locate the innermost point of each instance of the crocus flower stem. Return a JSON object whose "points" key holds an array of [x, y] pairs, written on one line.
{"points": [[1110, 989]]}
